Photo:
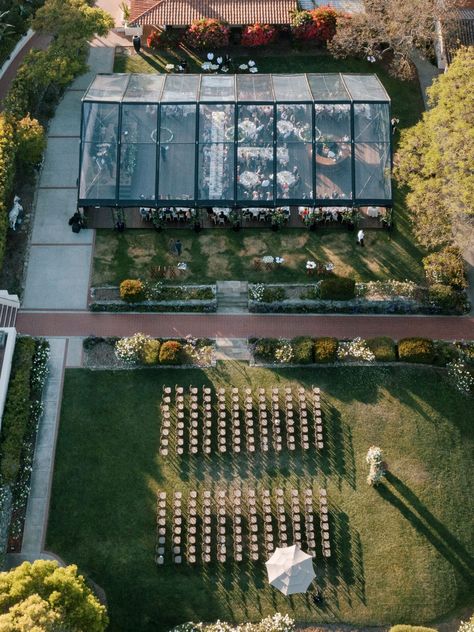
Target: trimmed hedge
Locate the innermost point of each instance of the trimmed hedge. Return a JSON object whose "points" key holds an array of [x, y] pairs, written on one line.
{"points": [[383, 348], [302, 350], [17, 409], [131, 290], [337, 289], [8, 148], [265, 348], [325, 349], [171, 352], [151, 352], [419, 350]]}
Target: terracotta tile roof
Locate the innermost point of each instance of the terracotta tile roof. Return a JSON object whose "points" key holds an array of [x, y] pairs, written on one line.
{"points": [[235, 12]]}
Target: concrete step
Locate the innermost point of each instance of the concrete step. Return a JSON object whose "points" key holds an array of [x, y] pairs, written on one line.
{"points": [[232, 349]]}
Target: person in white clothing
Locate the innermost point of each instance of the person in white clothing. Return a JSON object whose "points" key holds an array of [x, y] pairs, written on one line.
{"points": [[360, 237]]}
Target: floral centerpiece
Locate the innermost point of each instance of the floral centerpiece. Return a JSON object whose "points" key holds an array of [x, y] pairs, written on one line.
{"points": [[377, 467]]}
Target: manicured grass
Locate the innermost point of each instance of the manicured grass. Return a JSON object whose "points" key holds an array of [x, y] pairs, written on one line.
{"points": [[219, 254], [402, 552]]}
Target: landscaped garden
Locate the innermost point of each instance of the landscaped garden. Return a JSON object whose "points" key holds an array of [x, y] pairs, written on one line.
{"points": [[219, 254], [402, 551]]}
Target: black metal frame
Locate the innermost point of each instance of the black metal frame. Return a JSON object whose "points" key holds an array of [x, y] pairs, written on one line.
{"points": [[235, 202]]}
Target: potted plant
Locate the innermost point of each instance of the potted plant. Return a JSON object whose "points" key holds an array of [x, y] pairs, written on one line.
{"points": [[157, 219], [234, 218], [125, 12], [278, 219]]}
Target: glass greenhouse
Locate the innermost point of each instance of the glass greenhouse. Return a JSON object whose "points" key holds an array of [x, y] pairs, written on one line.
{"points": [[235, 140]]}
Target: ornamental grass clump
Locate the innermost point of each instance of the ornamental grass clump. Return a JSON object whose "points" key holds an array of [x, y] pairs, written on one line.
{"points": [[377, 467], [355, 350], [130, 350]]}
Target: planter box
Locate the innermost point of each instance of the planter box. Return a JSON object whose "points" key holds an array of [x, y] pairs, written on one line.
{"points": [[107, 299]]}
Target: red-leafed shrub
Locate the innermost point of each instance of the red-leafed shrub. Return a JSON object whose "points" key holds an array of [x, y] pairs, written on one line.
{"points": [[163, 39], [258, 34], [207, 33], [318, 25]]}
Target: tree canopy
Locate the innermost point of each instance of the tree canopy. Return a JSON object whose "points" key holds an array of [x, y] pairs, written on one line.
{"points": [[72, 20], [44, 597], [436, 157], [390, 30]]}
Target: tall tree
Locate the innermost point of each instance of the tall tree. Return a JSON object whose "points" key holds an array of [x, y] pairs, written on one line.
{"points": [[72, 19], [62, 600], [390, 30], [436, 158]]}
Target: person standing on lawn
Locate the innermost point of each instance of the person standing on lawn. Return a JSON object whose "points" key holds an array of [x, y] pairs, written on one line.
{"points": [[360, 237]]}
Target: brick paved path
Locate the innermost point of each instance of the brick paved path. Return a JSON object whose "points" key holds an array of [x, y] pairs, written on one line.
{"points": [[39, 42], [242, 325]]}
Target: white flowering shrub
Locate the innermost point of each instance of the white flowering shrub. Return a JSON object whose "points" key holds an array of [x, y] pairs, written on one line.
{"points": [[284, 352], [256, 292], [39, 370], [467, 626], [355, 350], [388, 289], [130, 349], [461, 377], [275, 623], [375, 460]]}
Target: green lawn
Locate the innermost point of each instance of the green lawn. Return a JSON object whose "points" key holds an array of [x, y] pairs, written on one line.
{"points": [[220, 254], [402, 553]]}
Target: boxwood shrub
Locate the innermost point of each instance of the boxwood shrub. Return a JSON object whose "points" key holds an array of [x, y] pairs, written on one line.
{"points": [[325, 349], [383, 348], [420, 350], [336, 288], [171, 352], [302, 350], [264, 348]]}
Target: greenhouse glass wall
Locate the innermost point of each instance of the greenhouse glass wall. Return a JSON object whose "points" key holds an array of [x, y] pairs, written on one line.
{"points": [[235, 140]]}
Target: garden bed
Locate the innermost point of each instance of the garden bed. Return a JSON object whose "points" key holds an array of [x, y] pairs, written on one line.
{"points": [[388, 297], [172, 298], [99, 353]]}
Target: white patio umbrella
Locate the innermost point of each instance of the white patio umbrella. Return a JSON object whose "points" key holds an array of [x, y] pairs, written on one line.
{"points": [[290, 570]]}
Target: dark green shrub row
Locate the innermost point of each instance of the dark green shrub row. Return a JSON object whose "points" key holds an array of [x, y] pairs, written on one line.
{"points": [[204, 308], [323, 350], [22, 403], [411, 628], [336, 288]]}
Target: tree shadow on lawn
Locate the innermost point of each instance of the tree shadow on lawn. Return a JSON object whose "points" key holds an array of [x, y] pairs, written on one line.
{"points": [[428, 525], [337, 456]]}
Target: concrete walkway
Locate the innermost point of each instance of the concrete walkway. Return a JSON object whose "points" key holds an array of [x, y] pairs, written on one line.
{"points": [[427, 73], [36, 521], [59, 261]]}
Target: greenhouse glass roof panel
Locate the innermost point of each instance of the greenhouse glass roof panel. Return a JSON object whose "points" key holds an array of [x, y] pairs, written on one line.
{"points": [[144, 88], [328, 87], [365, 88], [107, 88], [291, 88], [255, 88], [217, 88], [181, 88]]}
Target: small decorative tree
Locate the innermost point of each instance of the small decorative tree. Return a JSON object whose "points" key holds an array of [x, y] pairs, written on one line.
{"points": [[377, 467], [258, 35], [207, 33]]}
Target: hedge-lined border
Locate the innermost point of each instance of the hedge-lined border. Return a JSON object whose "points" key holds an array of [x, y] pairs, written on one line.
{"points": [[23, 411], [443, 352]]}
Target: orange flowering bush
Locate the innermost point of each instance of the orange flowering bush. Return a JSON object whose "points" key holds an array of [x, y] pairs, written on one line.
{"points": [[318, 25], [207, 33], [258, 35]]}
